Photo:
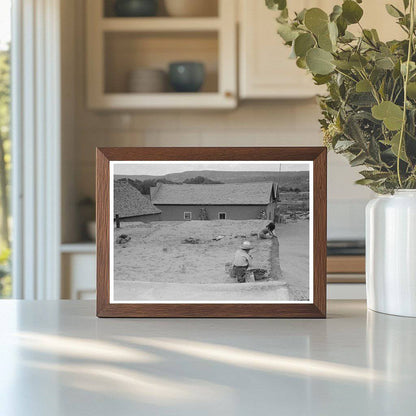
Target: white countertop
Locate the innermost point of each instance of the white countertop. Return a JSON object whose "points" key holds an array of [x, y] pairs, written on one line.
{"points": [[57, 359]]}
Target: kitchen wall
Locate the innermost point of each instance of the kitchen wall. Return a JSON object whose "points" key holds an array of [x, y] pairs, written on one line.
{"points": [[254, 123]]}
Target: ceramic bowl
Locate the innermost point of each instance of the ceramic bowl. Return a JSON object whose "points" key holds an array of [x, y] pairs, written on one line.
{"points": [[186, 76], [147, 80], [136, 8]]}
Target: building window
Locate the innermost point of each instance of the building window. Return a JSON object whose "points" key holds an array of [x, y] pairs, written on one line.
{"points": [[187, 216], [222, 216]]}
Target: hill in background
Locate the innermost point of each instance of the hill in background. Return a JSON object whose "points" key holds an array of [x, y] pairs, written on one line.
{"points": [[286, 180]]}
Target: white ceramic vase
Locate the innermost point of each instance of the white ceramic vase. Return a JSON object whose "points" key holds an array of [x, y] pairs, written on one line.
{"points": [[391, 253]]}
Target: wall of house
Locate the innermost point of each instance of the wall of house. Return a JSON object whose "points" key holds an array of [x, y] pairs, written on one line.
{"points": [[253, 123], [142, 218], [233, 212]]}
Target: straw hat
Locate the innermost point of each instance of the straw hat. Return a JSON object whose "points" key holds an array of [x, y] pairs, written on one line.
{"points": [[246, 246]]}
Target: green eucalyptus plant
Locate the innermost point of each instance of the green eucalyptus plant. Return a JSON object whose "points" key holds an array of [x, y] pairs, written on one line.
{"points": [[369, 113]]}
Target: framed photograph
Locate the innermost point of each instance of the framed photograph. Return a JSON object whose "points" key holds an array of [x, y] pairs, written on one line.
{"points": [[211, 232]]}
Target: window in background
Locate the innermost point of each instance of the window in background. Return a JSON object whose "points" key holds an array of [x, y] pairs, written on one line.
{"points": [[5, 159]]}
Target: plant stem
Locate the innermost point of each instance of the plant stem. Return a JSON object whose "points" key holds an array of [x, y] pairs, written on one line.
{"points": [[369, 41], [406, 80], [392, 90], [345, 75], [373, 89]]}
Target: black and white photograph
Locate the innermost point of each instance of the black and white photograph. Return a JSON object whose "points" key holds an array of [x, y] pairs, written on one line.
{"points": [[222, 232]]}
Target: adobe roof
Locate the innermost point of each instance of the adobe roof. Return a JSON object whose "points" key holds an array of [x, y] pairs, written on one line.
{"points": [[254, 193], [129, 202]]}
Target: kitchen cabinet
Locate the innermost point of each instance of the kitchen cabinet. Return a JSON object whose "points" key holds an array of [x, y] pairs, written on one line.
{"points": [[265, 70], [118, 45], [78, 263]]}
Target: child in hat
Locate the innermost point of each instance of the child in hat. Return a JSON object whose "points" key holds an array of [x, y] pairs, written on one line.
{"points": [[242, 260]]}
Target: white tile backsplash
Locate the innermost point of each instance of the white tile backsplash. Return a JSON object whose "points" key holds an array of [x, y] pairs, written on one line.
{"points": [[346, 219], [287, 123], [271, 123]]}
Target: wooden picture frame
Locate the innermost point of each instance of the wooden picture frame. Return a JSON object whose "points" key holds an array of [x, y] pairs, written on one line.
{"points": [[316, 308]]}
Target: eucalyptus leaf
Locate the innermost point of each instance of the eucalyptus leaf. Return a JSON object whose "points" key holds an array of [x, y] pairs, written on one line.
{"points": [[375, 35], [325, 42], [394, 144], [300, 17], [286, 32], [412, 124], [336, 12], [364, 181], [385, 63], [361, 99], [283, 17], [343, 65], [321, 79], [405, 21], [411, 90], [301, 63], [374, 175], [396, 71], [391, 114], [412, 67], [358, 160], [342, 25], [393, 11], [333, 32], [374, 150], [319, 61], [347, 37], [334, 91], [343, 145], [316, 20], [377, 74], [363, 86], [358, 61], [276, 4], [354, 131], [368, 35], [351, 11], [303, 43]]}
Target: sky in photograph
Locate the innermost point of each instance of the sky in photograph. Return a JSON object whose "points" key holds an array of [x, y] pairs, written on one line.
{"points": [[5, 21], [160, 169]]}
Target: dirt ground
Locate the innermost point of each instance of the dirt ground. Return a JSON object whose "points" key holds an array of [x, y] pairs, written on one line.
{"points": [[157, 264], [294, 258]]}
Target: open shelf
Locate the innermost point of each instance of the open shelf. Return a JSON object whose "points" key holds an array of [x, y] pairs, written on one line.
{"points": [[80, 247], [194, 101], [128, 51], [160, 24], [116, 46], [211, 9]]}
